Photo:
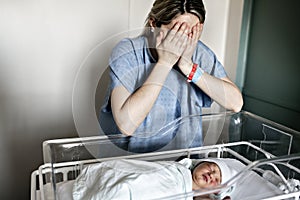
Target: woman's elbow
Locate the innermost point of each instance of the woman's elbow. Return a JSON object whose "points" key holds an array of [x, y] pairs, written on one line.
{"points": [[237, 107], [123, 122], [125, 127], [125, 131]]}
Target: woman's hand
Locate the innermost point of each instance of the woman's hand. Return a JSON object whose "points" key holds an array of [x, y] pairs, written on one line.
{"points": [[185, 62], [171, 47]]}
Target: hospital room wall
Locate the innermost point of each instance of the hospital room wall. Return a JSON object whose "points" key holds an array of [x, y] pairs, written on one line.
{"points": [[43, 46]]}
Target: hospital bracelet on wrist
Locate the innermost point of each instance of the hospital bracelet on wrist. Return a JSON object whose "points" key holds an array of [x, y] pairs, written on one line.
{"points": [[195, 74]]}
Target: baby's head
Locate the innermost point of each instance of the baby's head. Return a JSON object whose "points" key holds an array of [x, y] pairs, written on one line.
{"points": [[207, 173]]}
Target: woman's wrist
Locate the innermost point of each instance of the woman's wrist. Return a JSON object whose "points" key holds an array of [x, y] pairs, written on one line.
{"points": [[164, 64], [195, 74], [185, 67]]}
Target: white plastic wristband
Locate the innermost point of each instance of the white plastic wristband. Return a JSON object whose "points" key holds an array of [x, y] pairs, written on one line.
{"points": [[199, 72]]}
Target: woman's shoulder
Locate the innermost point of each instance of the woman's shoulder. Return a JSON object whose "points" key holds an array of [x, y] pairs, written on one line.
{"points": [[204, 49], [203, 54], [128, 44], [128, 49]]}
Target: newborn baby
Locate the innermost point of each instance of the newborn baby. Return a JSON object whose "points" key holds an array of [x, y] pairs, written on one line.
{"points": [[207, 173], [136, 179]]}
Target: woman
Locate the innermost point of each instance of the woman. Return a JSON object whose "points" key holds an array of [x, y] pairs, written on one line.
{"points": [[164, 75]]}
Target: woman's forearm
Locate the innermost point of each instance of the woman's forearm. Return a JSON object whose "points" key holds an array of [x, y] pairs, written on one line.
{"points": [[130, 110], [223, 91]]}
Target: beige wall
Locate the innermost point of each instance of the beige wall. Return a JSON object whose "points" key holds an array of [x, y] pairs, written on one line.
{"points": [[222, 31], [52, 54]]}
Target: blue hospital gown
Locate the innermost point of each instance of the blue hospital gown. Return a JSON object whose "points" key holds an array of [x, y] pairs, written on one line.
{"points": [[168, 125]]}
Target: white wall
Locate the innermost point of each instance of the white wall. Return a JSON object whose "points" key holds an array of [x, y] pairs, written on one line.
{"points": [[222, 31], [42, 44], [52, 54], [222, 34]]}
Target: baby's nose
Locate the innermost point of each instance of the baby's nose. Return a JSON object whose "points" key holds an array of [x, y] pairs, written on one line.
{"points": [[213, 177]]}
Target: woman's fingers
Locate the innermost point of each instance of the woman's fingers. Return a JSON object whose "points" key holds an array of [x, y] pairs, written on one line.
{"points": [[181, 32], [176, 38], [181, 37], [192, 41], [172, 32], [159, 38], [198, 30], [194, 36], [172, 46], [177, 31]]}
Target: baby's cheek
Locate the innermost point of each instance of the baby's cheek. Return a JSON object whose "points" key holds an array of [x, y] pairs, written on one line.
{"points": [[214, 183], [202, 184]]}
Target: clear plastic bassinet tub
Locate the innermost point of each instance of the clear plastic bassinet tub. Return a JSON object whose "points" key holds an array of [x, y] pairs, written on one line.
{"points": [[267, 153]]}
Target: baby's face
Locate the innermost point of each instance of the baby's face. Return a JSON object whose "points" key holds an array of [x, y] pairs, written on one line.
{"points": [[206, 175]]}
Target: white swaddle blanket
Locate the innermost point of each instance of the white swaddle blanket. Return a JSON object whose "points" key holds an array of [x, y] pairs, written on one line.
{"points": [[132, 179]]}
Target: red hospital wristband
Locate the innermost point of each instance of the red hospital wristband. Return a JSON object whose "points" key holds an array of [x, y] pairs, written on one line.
{"points": [[191, 75]]}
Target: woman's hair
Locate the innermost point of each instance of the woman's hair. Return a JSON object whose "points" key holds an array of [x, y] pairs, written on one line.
{"points": [[164, 11]]}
